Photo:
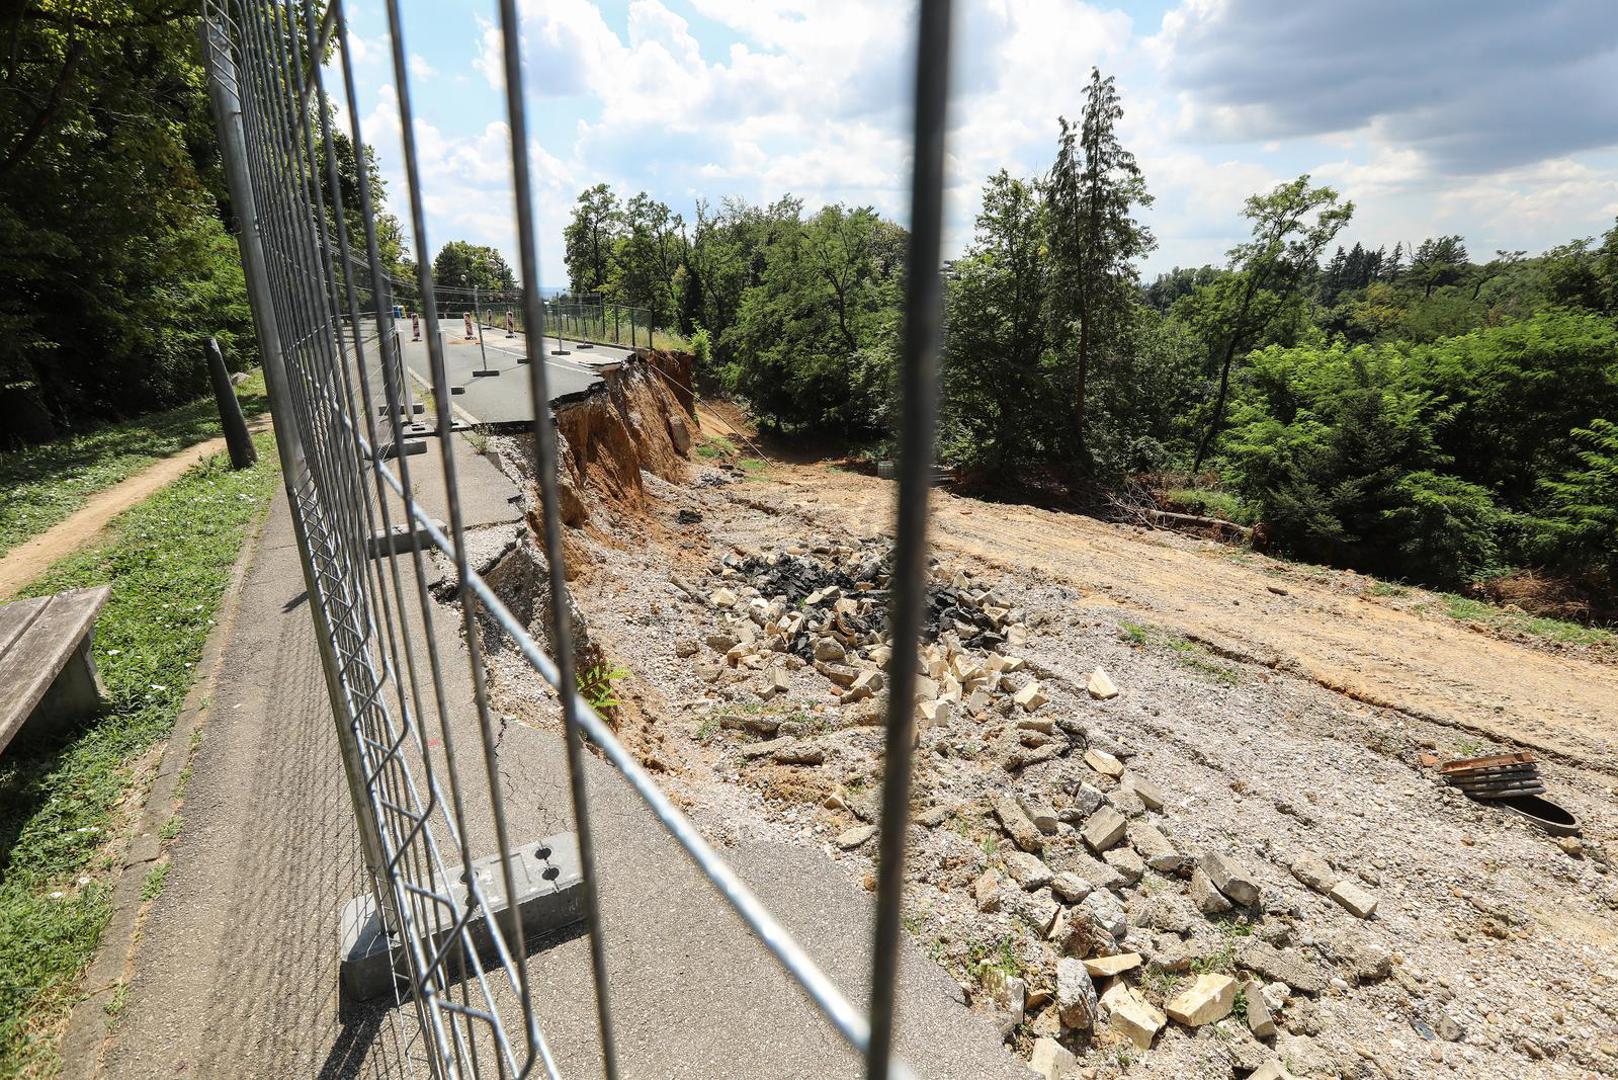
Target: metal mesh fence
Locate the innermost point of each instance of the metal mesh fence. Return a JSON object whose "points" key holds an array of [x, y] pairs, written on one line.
{"points": [[425, 779]]}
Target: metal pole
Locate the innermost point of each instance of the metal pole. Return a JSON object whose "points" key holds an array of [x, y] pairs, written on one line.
{"points": [[237, 440], [477, 320]]}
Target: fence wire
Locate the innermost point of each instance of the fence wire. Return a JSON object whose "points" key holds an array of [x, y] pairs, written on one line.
{"points": [[425, 785]]}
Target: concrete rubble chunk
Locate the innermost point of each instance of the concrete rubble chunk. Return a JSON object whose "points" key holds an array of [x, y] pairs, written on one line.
{"points": [[1132, 1015], [1259, 1020], [1076, 1001], [722, 598], [1071, 887], [1107, 913], [1230, 878], [1038, 909], [1281, 965], [1100, 686], [1208, 999], [1104, 829], [1126, 802], [1043, 817], [1314, 872], [1209, 900], [1027, 870], [1016, 823], [1358, 902], [1272, 1069], [779, 682], [934, 816], [798, 752], [829, 650], [1148, 792], [1103, 763], [987, 891], [1130, 865], [1050, 1059], [1156, 848], [856, 836], [1105, 967], [1030, 697]]}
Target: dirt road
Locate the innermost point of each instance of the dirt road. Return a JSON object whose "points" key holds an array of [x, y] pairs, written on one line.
{"points": [[30, 559], [1328, 627]]}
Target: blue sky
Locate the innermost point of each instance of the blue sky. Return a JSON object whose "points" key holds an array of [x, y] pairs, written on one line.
{"points": [[1495, 119]]}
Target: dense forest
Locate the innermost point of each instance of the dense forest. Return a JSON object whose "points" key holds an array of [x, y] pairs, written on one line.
{"points": [[1411, 410]]}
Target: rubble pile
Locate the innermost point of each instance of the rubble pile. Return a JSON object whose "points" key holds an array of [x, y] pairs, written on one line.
{"points": [[1120, 931]]}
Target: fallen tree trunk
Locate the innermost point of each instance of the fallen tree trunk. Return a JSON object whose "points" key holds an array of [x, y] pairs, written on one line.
{"points": [[1218, 526]]}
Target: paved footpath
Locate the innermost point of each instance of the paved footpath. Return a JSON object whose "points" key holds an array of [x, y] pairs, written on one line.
{"points": [[236, 972]]}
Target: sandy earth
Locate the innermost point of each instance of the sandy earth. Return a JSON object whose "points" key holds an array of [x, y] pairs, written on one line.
{"points": [[30, 559], [1282, 709]]}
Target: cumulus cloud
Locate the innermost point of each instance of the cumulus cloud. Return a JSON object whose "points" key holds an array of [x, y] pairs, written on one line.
{"points": [[1473, 86]]}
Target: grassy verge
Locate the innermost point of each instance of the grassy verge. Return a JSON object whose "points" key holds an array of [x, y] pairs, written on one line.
{"points": [[1465, 609], [63, 801], [41, 485], [1190, 654]]}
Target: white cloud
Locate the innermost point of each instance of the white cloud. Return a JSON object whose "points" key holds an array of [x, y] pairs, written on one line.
{"points": [[420, 68]]}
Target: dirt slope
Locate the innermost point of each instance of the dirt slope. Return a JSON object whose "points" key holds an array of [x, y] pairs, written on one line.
{"points": [[1322, 626]]}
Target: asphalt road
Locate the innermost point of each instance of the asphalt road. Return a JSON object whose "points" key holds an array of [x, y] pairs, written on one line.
{"points": [[503, 398]]}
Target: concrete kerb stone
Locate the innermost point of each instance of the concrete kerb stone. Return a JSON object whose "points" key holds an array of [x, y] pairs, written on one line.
{"points": [[89, 1024]]}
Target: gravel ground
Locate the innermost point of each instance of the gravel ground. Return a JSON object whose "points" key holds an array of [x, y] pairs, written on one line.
{"points": [[1493, 951]]}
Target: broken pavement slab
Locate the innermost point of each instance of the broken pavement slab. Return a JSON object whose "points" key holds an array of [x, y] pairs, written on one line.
{"points": [[1104, 829]]}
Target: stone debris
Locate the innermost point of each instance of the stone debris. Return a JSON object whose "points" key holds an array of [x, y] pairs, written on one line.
{"points": [[1104, 829], [1132, 1015], [1230, 878], [1104, 967], [1273, 1069], [1101, 688], [1103, 763], [1358, 902], [1031, 697], [1050, 1059], [1027, 870], [987, 891], [1022, 831], [1076, 1001], [856, 836], [1259, 1020], [1208, 898], [1148, 792], [1208, 999], [1155, 848], [1130, 866], [1283, 965], [1314, 872], [1070, 887]]}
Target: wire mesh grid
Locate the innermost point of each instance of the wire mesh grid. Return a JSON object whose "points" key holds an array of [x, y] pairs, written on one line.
{"points": [[422, 797]]}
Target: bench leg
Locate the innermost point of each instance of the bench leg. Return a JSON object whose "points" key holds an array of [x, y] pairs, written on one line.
{"points": [[76, 693]]}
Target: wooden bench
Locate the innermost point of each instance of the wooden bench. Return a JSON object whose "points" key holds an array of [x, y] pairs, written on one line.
{"points": [[47, 675]]}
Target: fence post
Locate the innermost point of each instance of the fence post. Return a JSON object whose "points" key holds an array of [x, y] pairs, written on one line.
{"points": [[240, 444]]}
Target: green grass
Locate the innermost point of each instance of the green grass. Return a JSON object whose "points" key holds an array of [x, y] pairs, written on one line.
{"points": [[152, 887], [168, 561], [1207, 502], [753, 466], [1191, 654], [42, 485], [1465, 609], [716, 446]]}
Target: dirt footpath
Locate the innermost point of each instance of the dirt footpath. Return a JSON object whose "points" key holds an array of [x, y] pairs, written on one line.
{"points": [[1328, 627], [30, 559]]}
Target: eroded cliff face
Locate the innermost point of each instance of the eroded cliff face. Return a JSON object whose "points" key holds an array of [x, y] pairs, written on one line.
{"points": [[641, 418]]}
